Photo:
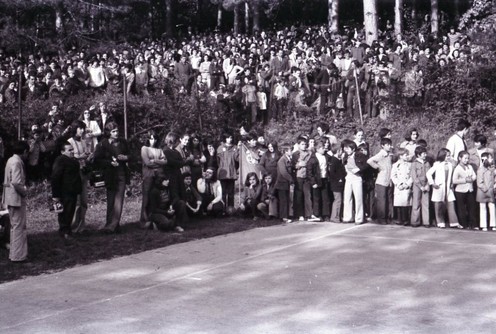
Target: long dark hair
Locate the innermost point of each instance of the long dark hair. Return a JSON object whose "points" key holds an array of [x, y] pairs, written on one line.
{"points": [[108, 128], [152, 133]]}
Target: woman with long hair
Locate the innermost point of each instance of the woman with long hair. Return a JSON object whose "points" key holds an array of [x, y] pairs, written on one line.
{"points": [[174, 160], [112, 155], [92, 131], [153, 159]]}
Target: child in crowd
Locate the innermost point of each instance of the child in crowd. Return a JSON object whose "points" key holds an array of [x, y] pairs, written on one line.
{"points": [[385, 133], [463, 179], [402, 180], [268, 200], [420, 200], [353, 190], [336, 175], [369, 176], [284, 182], [440, 177], [317, 170], [251, 195], [410, 143], [485, 191], [382, 161], [302, 193]]}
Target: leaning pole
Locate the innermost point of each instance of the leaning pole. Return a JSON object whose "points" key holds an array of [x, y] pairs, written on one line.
{"points": [[125, 105], [19, 120]]}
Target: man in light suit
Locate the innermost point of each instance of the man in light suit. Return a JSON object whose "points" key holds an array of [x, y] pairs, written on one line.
{"points": [[14, 198]]}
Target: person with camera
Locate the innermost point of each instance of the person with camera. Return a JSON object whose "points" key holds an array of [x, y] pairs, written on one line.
{"points": [[66, 187]]}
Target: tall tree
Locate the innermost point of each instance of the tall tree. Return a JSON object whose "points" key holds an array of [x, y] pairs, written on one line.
{"points": [[370, 19], [256, 15], [333, 15], [169, 24], [236, 18], [398, 17], [434, 17], [247, 17]]}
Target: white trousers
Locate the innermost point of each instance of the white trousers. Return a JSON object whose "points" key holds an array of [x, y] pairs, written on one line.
{"points": [[353, 189]]}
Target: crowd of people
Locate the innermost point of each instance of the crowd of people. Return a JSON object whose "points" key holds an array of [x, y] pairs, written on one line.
{"points": [[317, 178], [258, 77]]}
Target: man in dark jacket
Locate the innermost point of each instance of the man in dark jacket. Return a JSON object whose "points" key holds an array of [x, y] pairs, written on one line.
{"points": [[66, 186]]}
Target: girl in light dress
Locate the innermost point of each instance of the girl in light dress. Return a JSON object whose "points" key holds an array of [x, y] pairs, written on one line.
{"points": [[402, 180], [485, 191]]}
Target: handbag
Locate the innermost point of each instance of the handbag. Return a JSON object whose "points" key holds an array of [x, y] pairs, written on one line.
{"points": [[97, 179]]}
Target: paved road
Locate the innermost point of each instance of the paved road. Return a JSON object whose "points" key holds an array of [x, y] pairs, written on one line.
{"points": [[298, 278]]}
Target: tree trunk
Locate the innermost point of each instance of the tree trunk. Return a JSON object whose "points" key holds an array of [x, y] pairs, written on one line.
{"points": [[59, 24], [247, 18], [333, 15], [398, 17], [236, 19], [414, 14], [219, 16], [434, 17], [256, 16], [370, 20], [456, 9], [168, 18]]}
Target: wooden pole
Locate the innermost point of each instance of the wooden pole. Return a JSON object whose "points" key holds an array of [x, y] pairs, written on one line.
{"points": [[358, 95], [19, 91], [125, 105]]}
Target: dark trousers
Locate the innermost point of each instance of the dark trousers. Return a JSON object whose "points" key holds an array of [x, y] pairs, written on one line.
{"points": [[383, 200], [228, 192], [321, 200], [5, 223], [403, 214], [283, 196], [303, 198], [115, 202], [217, 208], [466, 209], [145, 196], [168, 222], [163, 222], [65, 217], [251, 207]]}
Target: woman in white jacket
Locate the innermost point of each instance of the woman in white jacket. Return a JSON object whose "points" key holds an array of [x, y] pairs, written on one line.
{"points": [[92, 131], [440, 177]]}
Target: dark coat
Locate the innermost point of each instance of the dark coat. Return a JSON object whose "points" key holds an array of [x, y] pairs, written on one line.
{"points": [[66, 179], [284, 174], [336, 174], [104, 154]]}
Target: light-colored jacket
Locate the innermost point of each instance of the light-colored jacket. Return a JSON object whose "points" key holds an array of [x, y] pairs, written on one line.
{"points": [[436, 175], [401, 175], [14, 184]]}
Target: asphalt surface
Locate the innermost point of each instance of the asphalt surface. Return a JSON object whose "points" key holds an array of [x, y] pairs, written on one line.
{"points": [[296, 278]]}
